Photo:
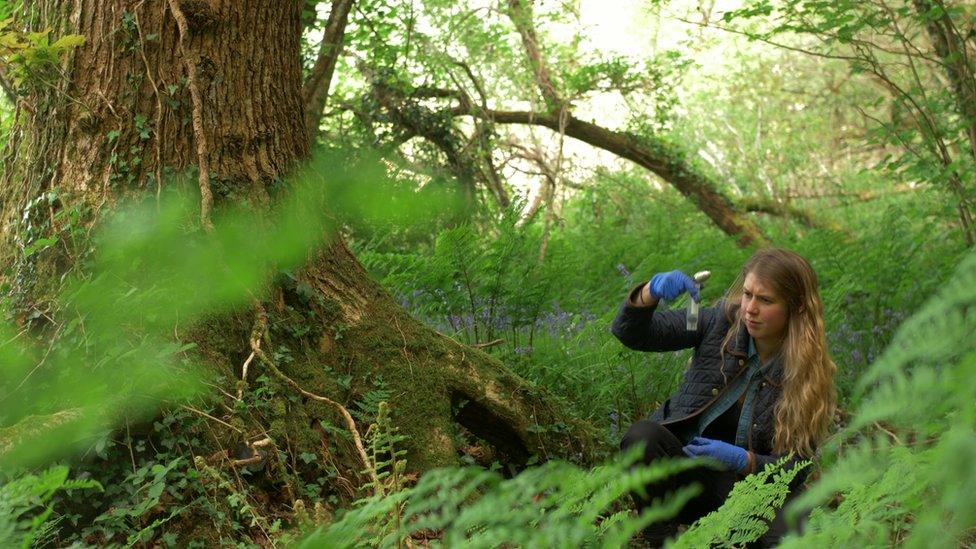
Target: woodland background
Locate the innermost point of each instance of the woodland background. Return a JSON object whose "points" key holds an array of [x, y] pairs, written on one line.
{"points": [[341, 273]]}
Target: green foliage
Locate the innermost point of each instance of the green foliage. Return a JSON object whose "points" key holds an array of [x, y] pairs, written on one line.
{"points": [[149, 483], [106, 350], [481, 282], [117, 314], [746, 514], [25, 509], [553, 505], [386, 460], [32, 57], [470, 286], [153, 483], [911, 49], [903, 473]]}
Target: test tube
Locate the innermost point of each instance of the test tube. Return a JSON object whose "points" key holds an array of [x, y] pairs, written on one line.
{"points": [[691, 323]]}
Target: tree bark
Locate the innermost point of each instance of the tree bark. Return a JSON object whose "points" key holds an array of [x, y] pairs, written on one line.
{"points": [[124, 116]]}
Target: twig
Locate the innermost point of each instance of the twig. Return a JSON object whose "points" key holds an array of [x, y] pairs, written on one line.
{"points": [[396, 321], [206, 197], [488, 344], [889, 433], [206, 415], [240, 390], [128, 443], [159, 104], [220, 389], [36, 366], [255, 456], [754, 36]]}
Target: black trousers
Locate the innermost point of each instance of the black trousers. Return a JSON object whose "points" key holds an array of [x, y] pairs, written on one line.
{"points": [[659, 443]]}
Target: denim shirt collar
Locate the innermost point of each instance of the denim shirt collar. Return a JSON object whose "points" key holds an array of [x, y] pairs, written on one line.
{"points": [[744, 346]]}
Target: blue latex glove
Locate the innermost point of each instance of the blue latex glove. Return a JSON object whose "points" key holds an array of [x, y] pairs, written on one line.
{"points": [[671, 284], [730, 455]]}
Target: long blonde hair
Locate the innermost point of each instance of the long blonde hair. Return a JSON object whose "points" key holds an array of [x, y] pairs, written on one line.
{"points": [[808, 396]]}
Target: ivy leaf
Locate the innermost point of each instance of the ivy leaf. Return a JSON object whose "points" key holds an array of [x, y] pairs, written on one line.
{"points": [[40, 244]]}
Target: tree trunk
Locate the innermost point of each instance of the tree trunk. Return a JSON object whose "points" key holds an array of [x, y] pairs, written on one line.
{"points": [[163, 85]]}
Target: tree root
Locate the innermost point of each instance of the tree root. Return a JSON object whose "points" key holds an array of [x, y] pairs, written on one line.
{"points": [[261, 328]]}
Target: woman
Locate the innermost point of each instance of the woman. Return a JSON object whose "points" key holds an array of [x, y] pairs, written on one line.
{"points": [[760, 384]]}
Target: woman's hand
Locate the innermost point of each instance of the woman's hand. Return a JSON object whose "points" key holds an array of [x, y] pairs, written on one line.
{"points": [[730, 455], [671, 284]]}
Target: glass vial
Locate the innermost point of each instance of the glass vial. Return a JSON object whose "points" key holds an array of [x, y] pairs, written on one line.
{"points": [[691, 323]]}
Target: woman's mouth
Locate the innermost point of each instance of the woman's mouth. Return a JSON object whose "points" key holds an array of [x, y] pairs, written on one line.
{"points": [[752, 323]]}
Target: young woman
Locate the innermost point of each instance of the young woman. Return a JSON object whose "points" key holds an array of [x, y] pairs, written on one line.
{"points": [[760, 385]]}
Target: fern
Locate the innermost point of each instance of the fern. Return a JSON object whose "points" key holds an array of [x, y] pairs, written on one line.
{"points": [[554, 505], [904, 472], [25, 509], [385, 458], [746, 513]]}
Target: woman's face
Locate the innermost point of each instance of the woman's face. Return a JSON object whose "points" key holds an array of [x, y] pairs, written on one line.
{"points": [[765, 313]]}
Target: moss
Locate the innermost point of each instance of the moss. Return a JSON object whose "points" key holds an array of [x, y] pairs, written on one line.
{"points": [[422, 371], [278, 429]]}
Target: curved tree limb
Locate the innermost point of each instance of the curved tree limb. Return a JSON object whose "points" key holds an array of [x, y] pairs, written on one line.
{"points": [[664, 159], [483, 132], [421, 121]]}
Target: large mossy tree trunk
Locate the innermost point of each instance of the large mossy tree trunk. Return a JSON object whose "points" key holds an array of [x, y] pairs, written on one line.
{"points": [[221, 92]]}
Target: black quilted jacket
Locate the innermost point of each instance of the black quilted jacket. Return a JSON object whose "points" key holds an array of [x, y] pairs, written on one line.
{"points": [[645, 329]]}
